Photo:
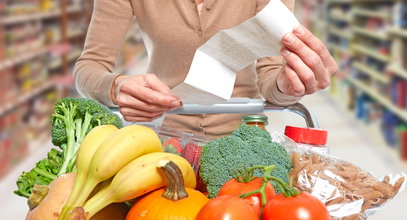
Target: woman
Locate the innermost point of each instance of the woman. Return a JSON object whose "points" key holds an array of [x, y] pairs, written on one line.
{"points": [[172, 31]]}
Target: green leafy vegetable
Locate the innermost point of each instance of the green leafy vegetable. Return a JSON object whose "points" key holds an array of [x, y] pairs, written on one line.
{"points": [[248, 146], [72, 119]]}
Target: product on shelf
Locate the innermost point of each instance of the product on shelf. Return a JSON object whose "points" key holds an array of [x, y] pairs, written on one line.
{"points": [[30, 39]]}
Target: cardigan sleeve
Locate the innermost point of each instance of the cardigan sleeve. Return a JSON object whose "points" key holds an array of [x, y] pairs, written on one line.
{"points": [[93, 71], [268, 69]]}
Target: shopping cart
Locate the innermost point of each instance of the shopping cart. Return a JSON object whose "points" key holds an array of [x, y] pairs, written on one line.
{"points": [[233, 106], [248, 106], [244, 106]]}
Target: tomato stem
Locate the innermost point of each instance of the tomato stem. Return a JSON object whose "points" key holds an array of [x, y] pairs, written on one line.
{"points": [[246, 176], [286, 189], [262, 190]]}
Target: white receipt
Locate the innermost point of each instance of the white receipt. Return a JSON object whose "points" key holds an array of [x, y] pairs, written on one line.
{"points": [[212, 74]]}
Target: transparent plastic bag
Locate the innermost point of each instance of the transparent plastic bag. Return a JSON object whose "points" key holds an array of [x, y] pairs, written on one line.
{"points": [[348, 191]]}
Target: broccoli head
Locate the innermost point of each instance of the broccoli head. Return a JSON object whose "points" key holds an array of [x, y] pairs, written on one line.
{"points": [[222, 159], [271, 153], [247, 132], [217, 159]]}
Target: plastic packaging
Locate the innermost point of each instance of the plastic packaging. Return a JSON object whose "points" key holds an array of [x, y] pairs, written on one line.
{"points": [[348, 191], [190, 144]]}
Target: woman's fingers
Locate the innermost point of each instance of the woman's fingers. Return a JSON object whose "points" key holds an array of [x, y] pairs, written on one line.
{"points": [[318, 47], [125, 100], [305, 74], [309, 58], [295, 86], [307, 55], [153, 82], [144, 98], [147, 92]]}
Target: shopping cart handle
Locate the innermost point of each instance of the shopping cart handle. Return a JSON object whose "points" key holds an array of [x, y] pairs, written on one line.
{"points": [[247, 106]]}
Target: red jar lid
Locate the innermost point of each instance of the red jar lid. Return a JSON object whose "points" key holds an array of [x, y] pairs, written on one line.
{"points": [[310, 136]]}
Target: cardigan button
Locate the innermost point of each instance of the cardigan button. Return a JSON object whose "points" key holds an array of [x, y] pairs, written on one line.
{"points": [[208, 7], [200, 32]]}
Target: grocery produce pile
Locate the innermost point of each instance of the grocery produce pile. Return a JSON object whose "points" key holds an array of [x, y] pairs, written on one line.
{"points": [[101, 170]]}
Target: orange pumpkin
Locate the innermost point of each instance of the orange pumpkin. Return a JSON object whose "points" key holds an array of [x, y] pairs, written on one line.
{"points": [[174, 202]]}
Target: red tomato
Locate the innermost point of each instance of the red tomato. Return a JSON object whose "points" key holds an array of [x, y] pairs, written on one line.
{"points": [[227, 208], [236, 188], [301, 207]]}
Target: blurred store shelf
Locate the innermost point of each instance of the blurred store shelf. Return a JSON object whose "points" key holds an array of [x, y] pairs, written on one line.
{"points": [[370, 52], [371, 131], [75, 33], [72, 56], [21, 58], [14, 19], [337, 47], [342, 17], [25, 96], [398, 31], [345, 33], [382, 99], [398, 70], [372, 13], [339, 1], [379, 76], [378, 34]]}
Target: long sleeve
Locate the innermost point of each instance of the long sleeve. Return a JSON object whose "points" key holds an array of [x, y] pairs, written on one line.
{"points": [[268, 69], [93, 72]]}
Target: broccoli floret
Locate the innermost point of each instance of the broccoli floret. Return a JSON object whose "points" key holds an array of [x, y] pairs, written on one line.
{"points": [[267, 152], [108, 119], [223, 158], [247, 132], [218, 157], [58, 134], [72, 119]]}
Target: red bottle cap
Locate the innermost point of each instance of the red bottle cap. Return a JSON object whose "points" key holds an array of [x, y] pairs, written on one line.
{"points": [[310, 136]]}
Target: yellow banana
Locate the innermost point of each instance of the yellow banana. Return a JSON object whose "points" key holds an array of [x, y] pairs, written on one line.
{"points": [[88, 147], [114, 153], [138, 178]]}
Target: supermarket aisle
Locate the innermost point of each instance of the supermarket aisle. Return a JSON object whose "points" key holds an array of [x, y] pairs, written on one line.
{"points": [[349, 141]]}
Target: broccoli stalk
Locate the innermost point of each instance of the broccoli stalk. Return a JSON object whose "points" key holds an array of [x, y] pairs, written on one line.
{"points": [[75, 129]]}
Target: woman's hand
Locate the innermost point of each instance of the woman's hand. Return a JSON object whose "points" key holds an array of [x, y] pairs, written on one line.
{"points": [[142, 98], [308, 66]]}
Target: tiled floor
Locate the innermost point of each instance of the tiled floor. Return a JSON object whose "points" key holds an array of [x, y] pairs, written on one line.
{"points": [[346, 140]]}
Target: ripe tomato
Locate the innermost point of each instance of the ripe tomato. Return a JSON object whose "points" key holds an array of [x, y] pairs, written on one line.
{"points": [[301, 207], [227, 208], [236, 188]]}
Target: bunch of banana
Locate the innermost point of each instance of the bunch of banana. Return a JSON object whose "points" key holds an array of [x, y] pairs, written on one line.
{"points": [[129, 155]]}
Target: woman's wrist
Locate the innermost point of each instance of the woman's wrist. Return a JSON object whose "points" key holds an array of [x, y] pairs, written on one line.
{"points": [[115, 85]]}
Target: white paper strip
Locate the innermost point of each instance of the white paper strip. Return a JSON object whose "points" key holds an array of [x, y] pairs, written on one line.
{"points": [[212, 74]]}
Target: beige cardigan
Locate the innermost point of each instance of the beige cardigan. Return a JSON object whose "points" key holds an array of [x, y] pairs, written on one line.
{"points": [[172, 31]]}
